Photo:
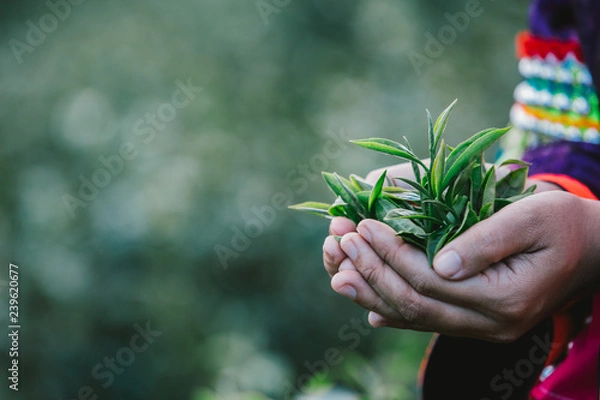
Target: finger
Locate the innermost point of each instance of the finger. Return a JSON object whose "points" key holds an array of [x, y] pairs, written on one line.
{"points": [[412, 265], [410, 308], [350, 283], [377, 320], [487, 242], [332, 255], [347, 265], [339, 226], [487, 331]]}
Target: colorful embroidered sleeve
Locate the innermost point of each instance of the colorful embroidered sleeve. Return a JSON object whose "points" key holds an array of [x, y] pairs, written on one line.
{"points": [[556, 114]]}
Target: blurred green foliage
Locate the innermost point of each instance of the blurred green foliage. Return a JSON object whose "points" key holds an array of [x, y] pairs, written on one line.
{"points": [[143, 248]]}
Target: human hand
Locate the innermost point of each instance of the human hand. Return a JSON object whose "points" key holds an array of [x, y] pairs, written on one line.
{"points": [[515, 269], [333, 256]]}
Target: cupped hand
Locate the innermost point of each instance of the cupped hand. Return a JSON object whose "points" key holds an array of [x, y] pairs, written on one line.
{"points": [[507, 272], [333, 256]]}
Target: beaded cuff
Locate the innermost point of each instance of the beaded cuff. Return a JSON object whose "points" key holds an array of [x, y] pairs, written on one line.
{"points": [[557, 99]]}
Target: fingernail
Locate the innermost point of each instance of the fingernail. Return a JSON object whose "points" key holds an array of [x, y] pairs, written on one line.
{"points": [[350, 249], [375, 319], [448, 264], [364, 232], [347, 291], [347, 265]]}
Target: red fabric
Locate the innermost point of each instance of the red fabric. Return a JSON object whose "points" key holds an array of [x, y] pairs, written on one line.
{"points": [[575, 377], [567, 183], [529, 46]]}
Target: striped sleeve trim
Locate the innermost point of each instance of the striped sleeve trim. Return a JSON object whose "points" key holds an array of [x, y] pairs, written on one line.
{"points": [[569, 184]]}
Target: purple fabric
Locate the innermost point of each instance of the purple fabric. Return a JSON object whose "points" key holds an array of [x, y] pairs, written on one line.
{"points": [[575, 159], [570, 20], [553, 19], [588, 26]]}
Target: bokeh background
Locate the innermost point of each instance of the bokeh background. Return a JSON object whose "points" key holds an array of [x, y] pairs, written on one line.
{"points": [[161, 245]]}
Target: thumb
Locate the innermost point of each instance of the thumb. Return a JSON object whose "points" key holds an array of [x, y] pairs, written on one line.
{"points": [[483, 245]]}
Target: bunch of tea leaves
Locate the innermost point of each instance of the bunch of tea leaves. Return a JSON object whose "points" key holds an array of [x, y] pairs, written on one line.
{"points": [[449, 194]]}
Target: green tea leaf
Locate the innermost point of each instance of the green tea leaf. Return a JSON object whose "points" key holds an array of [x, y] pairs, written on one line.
{"points": [[500, 203], [488, 192], [512, 184], [409, 196], [414, 165], [409, 214], [437, 170], [383, 206], [414, 184], [394, 189], [470, 218], [475, 149], [338, 210], [416, 171], [440, 207], [350, 197], [360, 183], [398, 202], [436, 240], [460, 203], [515, 161], [430, 135], [313, 207], [389, 147], [440, 123], [333, 183], [458, 150], [352, 214], [353, 209], [406, 227], [399, 213], [348, 183], [477, 177], [461, 184], [376, 192], [363, 198], [486, 211], [530, 190], [415, 240]]}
